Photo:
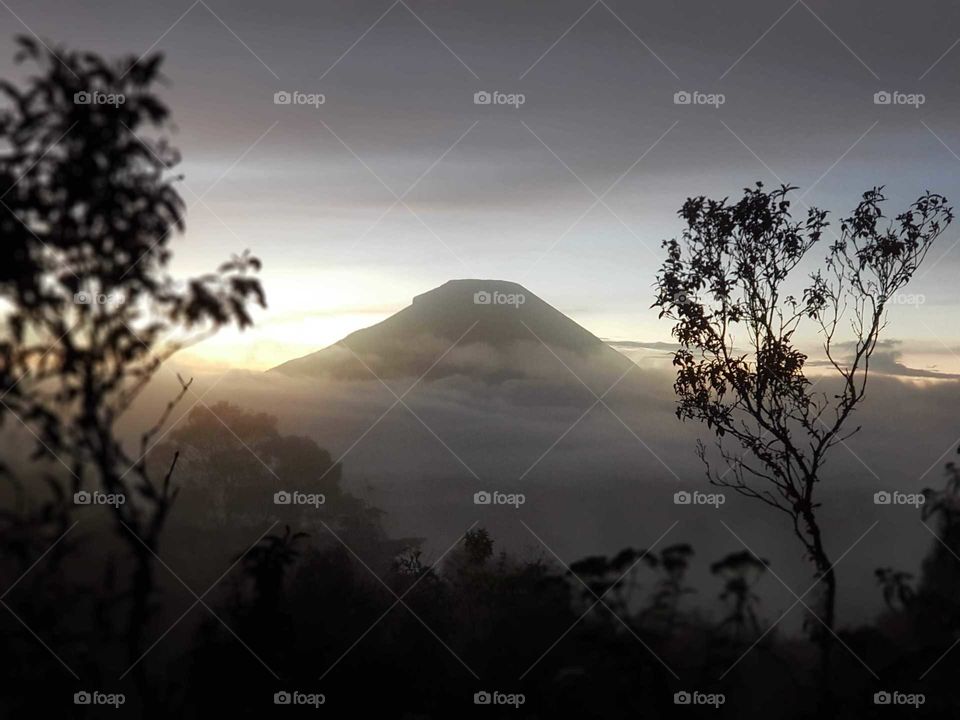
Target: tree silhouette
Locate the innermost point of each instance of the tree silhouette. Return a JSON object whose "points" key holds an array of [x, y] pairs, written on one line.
{"points": [[898, 594], [673, 563], [741, 571], [87, 212], [939, 582], [232, 460], [266, 564], [478, 546], [615, 579], [727, 284]]}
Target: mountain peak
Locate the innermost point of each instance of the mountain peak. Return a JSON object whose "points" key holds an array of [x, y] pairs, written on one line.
{"points": [[470, 286], [497, 317]]}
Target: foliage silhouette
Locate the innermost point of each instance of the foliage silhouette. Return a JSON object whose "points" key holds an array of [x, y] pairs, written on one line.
{"points": [[732, 271], [87, 211]]}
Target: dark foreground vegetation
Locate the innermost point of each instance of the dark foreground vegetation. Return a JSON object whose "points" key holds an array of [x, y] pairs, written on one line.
{"points": [[252, 598]]}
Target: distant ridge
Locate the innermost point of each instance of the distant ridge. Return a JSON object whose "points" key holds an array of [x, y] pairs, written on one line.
{"points": [[501, 327]]}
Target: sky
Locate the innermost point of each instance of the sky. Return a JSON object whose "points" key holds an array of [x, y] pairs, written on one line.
{"points": [[400, 181]]}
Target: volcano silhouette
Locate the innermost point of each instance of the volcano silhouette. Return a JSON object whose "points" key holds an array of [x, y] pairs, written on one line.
{"points": [[493, 330]]}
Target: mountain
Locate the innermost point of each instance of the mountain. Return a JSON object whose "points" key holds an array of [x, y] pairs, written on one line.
{"points": [[493, 330]]}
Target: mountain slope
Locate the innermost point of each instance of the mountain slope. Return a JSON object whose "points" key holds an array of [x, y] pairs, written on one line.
{"points": [[488, 329]]}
